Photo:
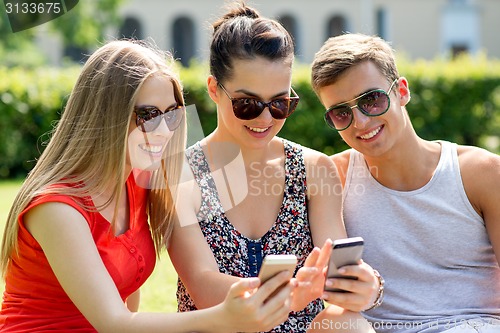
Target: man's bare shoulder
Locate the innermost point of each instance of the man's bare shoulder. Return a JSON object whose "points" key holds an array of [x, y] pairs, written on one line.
{"points": [[318, 164], [475, 159], [312, 154], [341, 161], [480, 171]]}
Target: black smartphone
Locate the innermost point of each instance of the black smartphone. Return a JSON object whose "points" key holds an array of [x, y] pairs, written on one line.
{"points": [[347, 251]]}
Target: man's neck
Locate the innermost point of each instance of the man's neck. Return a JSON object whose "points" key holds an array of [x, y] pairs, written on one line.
{"points": [[407, 166]]}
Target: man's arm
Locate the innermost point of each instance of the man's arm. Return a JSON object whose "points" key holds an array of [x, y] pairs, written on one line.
{"points": [[480, 171], [341, 161]]}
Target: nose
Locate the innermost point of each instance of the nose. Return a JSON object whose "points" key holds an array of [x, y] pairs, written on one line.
{"points": [[265, 114], [162, 128], [359, 118]]}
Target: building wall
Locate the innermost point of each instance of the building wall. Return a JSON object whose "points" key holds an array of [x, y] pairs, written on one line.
{"points": [[490, 28], [416, 28]]}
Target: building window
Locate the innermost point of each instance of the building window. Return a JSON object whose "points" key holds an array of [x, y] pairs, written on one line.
{"points": [[183, 37], [76, 54], [460, 28], [290, 24], [382, 23], [458, 49], [336, 26], [131, 28]]}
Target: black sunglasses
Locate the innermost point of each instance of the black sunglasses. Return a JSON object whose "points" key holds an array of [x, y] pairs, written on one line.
{"points": [[372, 103], [247, 108], [148, 118]]}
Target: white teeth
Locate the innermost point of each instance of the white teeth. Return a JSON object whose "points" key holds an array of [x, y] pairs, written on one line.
{"points": [[371, 134], [258, 130], [151, 149]]}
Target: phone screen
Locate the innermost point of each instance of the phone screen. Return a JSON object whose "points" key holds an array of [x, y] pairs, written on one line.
{"points": [[345, 252]]}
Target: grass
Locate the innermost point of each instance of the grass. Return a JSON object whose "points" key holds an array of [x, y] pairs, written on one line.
{"points": [[157, 294]]}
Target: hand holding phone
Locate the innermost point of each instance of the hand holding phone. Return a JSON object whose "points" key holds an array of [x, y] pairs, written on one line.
{"points": [[275, 263], [345, 252]]}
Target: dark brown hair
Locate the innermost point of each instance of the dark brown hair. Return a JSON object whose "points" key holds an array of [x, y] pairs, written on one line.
{"points": [[340, 53], [243, 34]]}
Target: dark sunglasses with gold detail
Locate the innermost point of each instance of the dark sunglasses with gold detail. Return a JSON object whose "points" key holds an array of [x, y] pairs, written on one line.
{"points": [[248, 108]]}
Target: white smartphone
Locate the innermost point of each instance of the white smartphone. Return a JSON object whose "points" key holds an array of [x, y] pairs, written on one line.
{"points": [[275, 263], [347, 251]]}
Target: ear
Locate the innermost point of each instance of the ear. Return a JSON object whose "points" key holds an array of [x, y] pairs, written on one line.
{"points": [[212, 89], [404, 91]]}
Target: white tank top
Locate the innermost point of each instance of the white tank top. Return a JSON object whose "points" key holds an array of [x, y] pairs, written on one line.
{"points": [[429, 244]]}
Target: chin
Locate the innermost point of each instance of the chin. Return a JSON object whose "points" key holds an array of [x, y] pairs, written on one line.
{"points": [[151, 166], [147, 165]]}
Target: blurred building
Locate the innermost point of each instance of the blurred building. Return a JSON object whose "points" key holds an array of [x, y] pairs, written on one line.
{"points": [[417, 28]]}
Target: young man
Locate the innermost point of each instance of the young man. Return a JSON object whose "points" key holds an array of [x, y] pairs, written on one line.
{"points": [[429, 211]]}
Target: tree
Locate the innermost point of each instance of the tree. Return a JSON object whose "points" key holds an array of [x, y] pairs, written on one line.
{"points": [[87, 22], [82, 25]]}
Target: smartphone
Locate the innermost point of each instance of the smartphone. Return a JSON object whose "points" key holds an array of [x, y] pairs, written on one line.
{"points": [[345, 252], [275, 263]]}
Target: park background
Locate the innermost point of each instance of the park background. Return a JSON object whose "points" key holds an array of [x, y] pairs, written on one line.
{"points": [[448, 50]]}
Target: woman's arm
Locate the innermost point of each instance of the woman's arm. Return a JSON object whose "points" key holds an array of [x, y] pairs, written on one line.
{"points": [[196, 266], [191, 255], [134, 300], [480, 171], [324, 193], [65, 238], [325, 217], [324, 199]]}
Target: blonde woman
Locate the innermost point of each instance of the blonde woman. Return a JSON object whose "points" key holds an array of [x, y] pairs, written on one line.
{"points": [[77, 244]]}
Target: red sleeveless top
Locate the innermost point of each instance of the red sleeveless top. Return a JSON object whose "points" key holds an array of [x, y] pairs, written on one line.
{"points": [[34, 300]]}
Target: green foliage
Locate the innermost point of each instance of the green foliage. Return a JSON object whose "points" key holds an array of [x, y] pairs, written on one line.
{"points": [[457, 101], [194, 79], [86, 23], [30, 102], [17, 48], [80, 27]]}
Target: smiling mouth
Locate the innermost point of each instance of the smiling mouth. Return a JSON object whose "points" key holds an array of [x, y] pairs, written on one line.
{"points": [[371, 134], [152, 149], [257, 130]]}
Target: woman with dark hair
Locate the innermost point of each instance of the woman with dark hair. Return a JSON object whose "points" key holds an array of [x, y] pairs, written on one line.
{"points": [[253, 193]]}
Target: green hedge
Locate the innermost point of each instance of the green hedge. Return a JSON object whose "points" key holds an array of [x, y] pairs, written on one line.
{"points": [[457, 101], [30, 103]]}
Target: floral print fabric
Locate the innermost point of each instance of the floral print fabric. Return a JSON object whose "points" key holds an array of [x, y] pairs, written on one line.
{"points": [[238, 255]]}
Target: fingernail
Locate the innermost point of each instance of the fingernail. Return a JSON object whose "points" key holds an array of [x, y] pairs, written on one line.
{"points": [[329, 283], [342, 270]]}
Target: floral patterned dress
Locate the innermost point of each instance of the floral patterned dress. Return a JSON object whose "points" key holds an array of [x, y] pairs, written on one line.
{"points": [[241, 256]]}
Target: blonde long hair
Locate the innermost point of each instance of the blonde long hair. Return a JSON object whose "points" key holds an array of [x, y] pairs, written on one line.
{"points": [[89, 143]]}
